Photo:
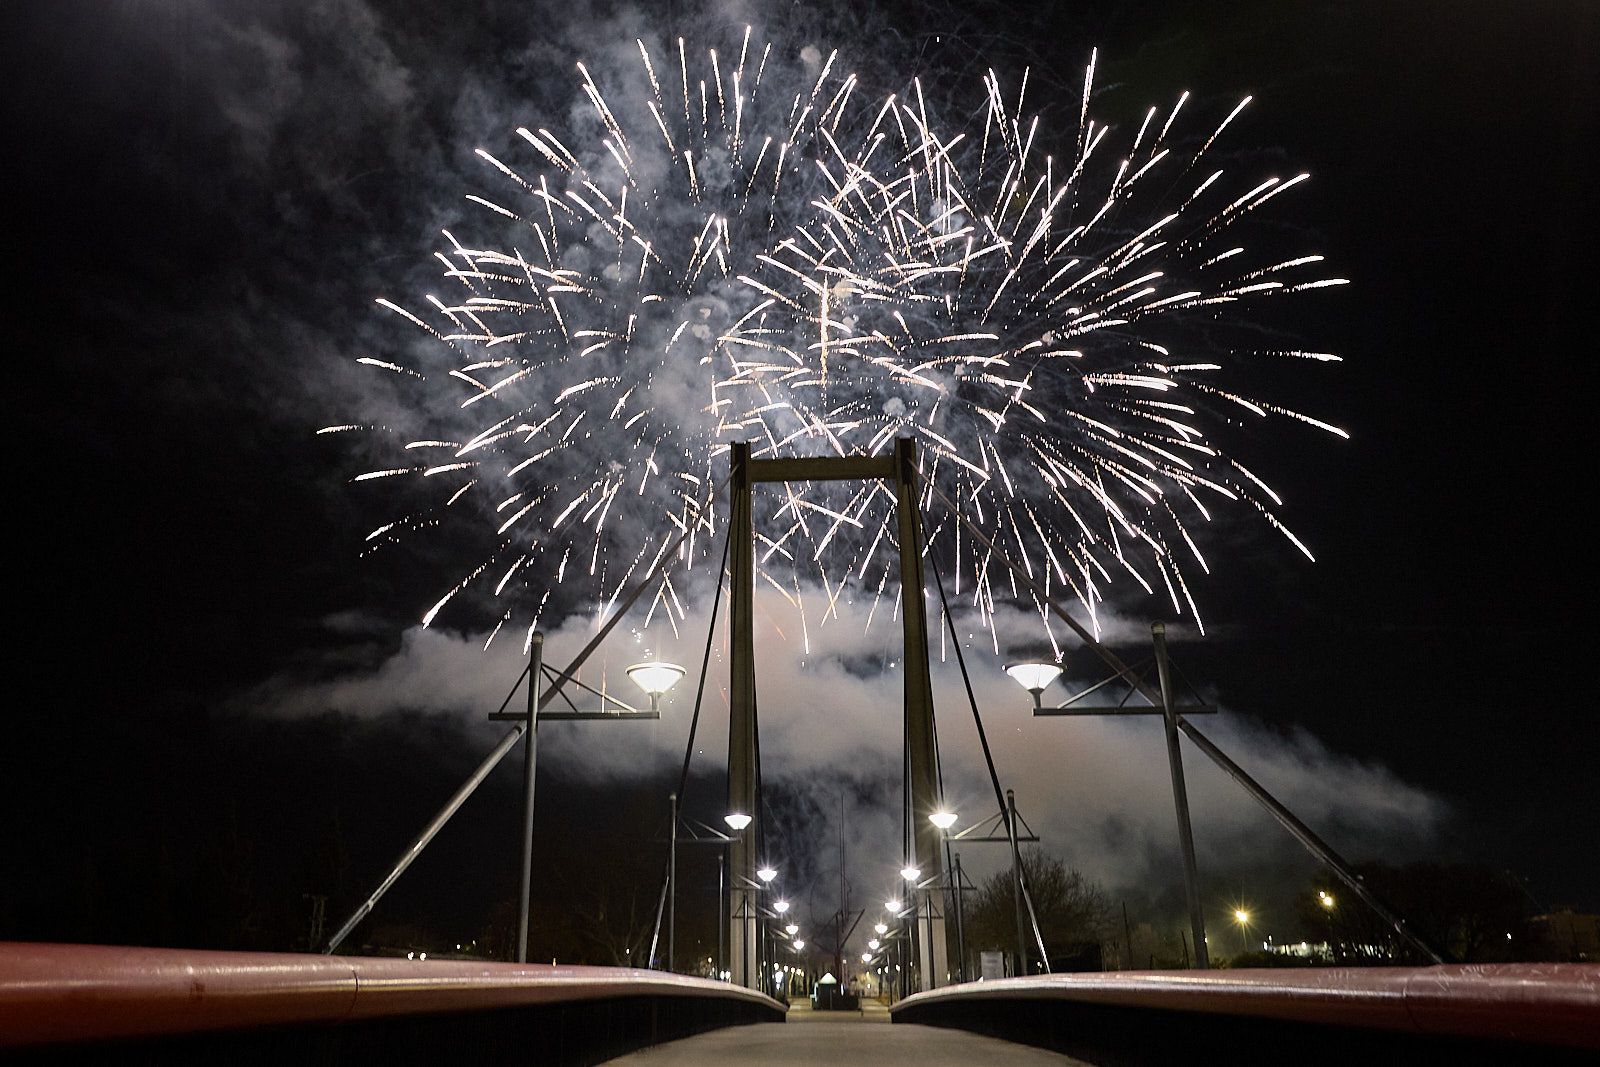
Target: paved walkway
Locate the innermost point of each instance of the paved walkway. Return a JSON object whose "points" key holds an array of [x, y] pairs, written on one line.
{"points": [[840, 1037]]}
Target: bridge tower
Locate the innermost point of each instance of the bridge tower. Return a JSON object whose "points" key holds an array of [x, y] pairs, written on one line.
{"points": [[924, 843]]}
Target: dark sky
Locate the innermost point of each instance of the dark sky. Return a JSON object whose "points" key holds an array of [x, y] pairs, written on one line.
{"points": [[195, 225]]}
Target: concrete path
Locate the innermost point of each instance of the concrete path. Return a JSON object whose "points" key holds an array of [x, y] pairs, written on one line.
{"points": [[837, 1038]]}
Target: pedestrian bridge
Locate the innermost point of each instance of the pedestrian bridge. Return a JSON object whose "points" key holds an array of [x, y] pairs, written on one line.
{"points": [[95, 1003]]}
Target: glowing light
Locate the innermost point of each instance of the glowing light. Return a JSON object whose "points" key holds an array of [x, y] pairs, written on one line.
{"points": [[1034, 677], [910, 874], [880, 929], [766, 874], [655, 678], [943, 819], [781, 906], [737, 820]]}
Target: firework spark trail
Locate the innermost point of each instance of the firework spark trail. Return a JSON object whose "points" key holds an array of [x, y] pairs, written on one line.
{"points": [[731, 249]]}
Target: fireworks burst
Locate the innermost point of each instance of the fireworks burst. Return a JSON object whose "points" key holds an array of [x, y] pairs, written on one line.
{"points": [[737, 246]]}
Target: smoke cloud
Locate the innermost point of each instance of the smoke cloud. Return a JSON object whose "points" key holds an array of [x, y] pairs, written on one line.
{"points": [[1096, 790]]}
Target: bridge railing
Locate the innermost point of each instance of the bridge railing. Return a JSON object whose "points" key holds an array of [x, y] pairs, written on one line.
{"points": [[211, 1002], [1552, 1010]]}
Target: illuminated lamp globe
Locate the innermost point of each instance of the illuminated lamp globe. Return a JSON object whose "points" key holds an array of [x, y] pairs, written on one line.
{"points": [[881, 929], [799, 944], [737, 821], [910, 873], [943, 819], [655, 678], [781, 906], [791, 929], [1035, 676], [892, 907], [766, 874]]}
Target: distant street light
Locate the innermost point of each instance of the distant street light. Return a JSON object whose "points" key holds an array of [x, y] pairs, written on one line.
{"points": [[781, 906], [892, 907], [943, 819], [655, 678], [737, 820], [1325, 899], [766, 874], [791, 929], [910, 873], [881, 929], [866, 957], [873, 944], [1242, 917], [798, 945]]}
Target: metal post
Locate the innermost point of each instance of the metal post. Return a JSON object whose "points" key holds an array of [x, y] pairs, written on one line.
{"points": [[530, 754], [961, 929], [1180, 800], [921, 739], [1016, 881], [672, 889], [744, 789], [722, 906]]}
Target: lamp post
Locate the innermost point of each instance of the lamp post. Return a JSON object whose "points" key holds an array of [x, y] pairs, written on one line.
{"points": [[944, 819], [530, 739], [710, 836], [655, 678], [1037, 676], [1325, 898]]}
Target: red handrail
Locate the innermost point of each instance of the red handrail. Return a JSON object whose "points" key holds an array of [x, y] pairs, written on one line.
{"points": [[56, 993], [1557, 1004]]}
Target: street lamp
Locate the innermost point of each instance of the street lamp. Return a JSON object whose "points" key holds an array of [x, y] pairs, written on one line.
{"points": [[910, 873], [880, 929], [943, 819], [892, 907], [1242, 917], [737, 820], [1325, 899], [781, 906], [655, 678], [791, 929], [798, 945], [1034, 676], [873, 944], [767, 874]]}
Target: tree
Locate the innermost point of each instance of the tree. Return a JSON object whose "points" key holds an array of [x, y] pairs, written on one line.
{"points": [[1073, 911]]}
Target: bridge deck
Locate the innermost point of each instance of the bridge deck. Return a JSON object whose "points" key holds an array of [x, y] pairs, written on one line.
{"points": [[811, 1037]]}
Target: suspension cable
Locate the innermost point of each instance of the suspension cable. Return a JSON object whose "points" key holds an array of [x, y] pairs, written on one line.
{"points": [[988, 758]]}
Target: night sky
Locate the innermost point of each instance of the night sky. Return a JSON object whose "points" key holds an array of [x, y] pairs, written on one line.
{"points": [[204, 196]]}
